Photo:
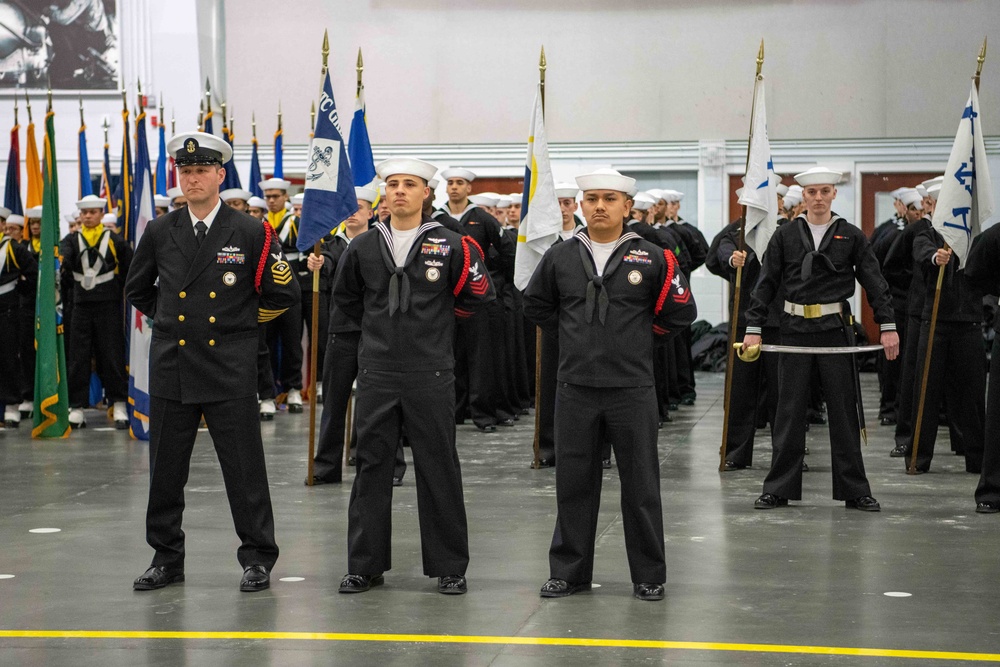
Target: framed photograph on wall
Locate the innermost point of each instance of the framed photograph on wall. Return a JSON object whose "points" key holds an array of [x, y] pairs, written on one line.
{"points": [[65, 44]]}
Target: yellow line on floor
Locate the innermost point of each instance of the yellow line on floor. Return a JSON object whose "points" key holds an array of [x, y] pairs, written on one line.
{"points": [[516, 641]]}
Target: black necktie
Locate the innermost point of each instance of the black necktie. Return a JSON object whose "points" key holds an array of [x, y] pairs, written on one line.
{"points": [[200, 228]]}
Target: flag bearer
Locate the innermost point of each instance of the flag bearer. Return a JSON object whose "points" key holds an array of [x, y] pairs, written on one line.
{"points": [[18, 272]]}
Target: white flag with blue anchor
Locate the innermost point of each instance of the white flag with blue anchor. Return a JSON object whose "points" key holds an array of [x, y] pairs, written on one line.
{"points": [[329, 192], [759, 193], [966, 197]]}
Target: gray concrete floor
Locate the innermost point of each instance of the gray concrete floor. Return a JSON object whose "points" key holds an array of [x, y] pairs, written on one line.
{"points": [[811, 575]]}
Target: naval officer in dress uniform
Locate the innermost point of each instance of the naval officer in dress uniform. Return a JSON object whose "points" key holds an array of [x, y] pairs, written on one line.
{"points": [[207, 274], [406, 281], [817, 258], [610, 295]]}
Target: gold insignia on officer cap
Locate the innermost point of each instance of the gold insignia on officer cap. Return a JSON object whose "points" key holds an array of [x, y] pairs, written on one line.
{"points": [[191, 145]]}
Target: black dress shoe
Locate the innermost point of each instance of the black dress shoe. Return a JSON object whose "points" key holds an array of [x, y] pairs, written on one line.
{"points": [[687, 400], [805, 467], [888, 421], [560, 588], [543, 463], [768, 501], [505, 422], [730, 466], [319, 480], [157, 577], [806, 451], [606, 464], [987, 507], [255, 578], [917, 470], [486, 428], [667, 418], [359, 583], [864, 503], [899, 451], [672, 406], [452, 584], [397, 481], [649, 592], [352, 461]]}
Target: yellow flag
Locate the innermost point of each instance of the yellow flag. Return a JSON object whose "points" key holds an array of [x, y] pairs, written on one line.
{"points": [[34, 167]]}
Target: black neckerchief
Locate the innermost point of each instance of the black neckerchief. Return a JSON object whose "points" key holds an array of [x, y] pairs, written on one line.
{"points": [[817, 253], [595, 284], [399, 282]]}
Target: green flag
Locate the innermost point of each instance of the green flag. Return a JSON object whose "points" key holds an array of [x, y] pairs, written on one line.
{"points": [[51, 418]]}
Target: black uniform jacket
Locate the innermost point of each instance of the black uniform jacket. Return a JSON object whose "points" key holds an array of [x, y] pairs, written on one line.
{"points": [[407, 314], [960, 301], [664, 238], [607, 324], [724, 245], [497, 249], [694, 240], [18, 272], [333, 250], [116, 259], [898, 267], [818, 276], [983, 266], [206, 306], [447, 221]]}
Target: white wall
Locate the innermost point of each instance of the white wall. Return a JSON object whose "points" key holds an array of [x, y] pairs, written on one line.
{"points": [[455, 71]]}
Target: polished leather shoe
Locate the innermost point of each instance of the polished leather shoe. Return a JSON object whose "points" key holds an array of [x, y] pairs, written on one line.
{"points": [[157, 577], [543, 463], [487, 428], [917, 470], [452, 584], [805, 467], [687, 400], [255, 578], [505, 422], [806, 451], [887, 421], [730, 467], [649, 592], [672, 406], [606, 464], [397, 481], [987, 507], [864, 503], [768, 501], [560, 588], [359, 583], [352, 461], [899, 451]]}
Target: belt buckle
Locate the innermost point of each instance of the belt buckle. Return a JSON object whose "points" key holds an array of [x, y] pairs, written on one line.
{"points": [[812, 311]]}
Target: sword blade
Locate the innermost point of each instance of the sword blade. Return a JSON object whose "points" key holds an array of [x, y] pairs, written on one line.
{"points": [[792, 349]]}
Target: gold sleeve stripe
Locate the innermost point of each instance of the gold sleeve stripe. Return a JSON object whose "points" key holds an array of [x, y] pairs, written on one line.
{"points": [[267, 316]]}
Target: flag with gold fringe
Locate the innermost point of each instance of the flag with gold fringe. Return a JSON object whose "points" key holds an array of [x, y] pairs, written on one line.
{"points": [[51, 418]]}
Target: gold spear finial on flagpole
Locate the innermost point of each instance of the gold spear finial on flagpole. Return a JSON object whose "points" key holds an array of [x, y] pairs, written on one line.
{"points": [[106, 126], [222, 105], [162, 118], [312, 117], [138, 97], [124, 99], [326, 48], [49, 108], [253, 123], [173, 123], [760, 57], [361, 68], [81, 111], [15, 107], [542, 66], [27, 105], [279, 115], [979, 62], [201, 115], [208, 95]]}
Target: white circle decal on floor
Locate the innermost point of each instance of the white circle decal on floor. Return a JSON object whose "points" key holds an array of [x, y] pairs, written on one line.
{"points": [[42, 531], [897, 594], [6, 576], [292, 579]]}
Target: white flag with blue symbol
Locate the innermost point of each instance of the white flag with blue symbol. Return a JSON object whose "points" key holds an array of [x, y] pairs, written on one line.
{"points": [[966, 197], [759, 193]]}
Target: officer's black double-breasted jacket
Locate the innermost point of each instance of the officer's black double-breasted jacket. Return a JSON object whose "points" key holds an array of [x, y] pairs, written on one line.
{"points": [[204, 302]]}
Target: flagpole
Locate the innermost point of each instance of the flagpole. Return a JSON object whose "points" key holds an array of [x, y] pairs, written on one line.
{"points": [[349, 416], [734, 313], [537, 441], [314, 326], [912, 468]]}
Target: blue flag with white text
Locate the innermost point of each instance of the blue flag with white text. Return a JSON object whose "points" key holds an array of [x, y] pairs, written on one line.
{"points": [[329, 191]]}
